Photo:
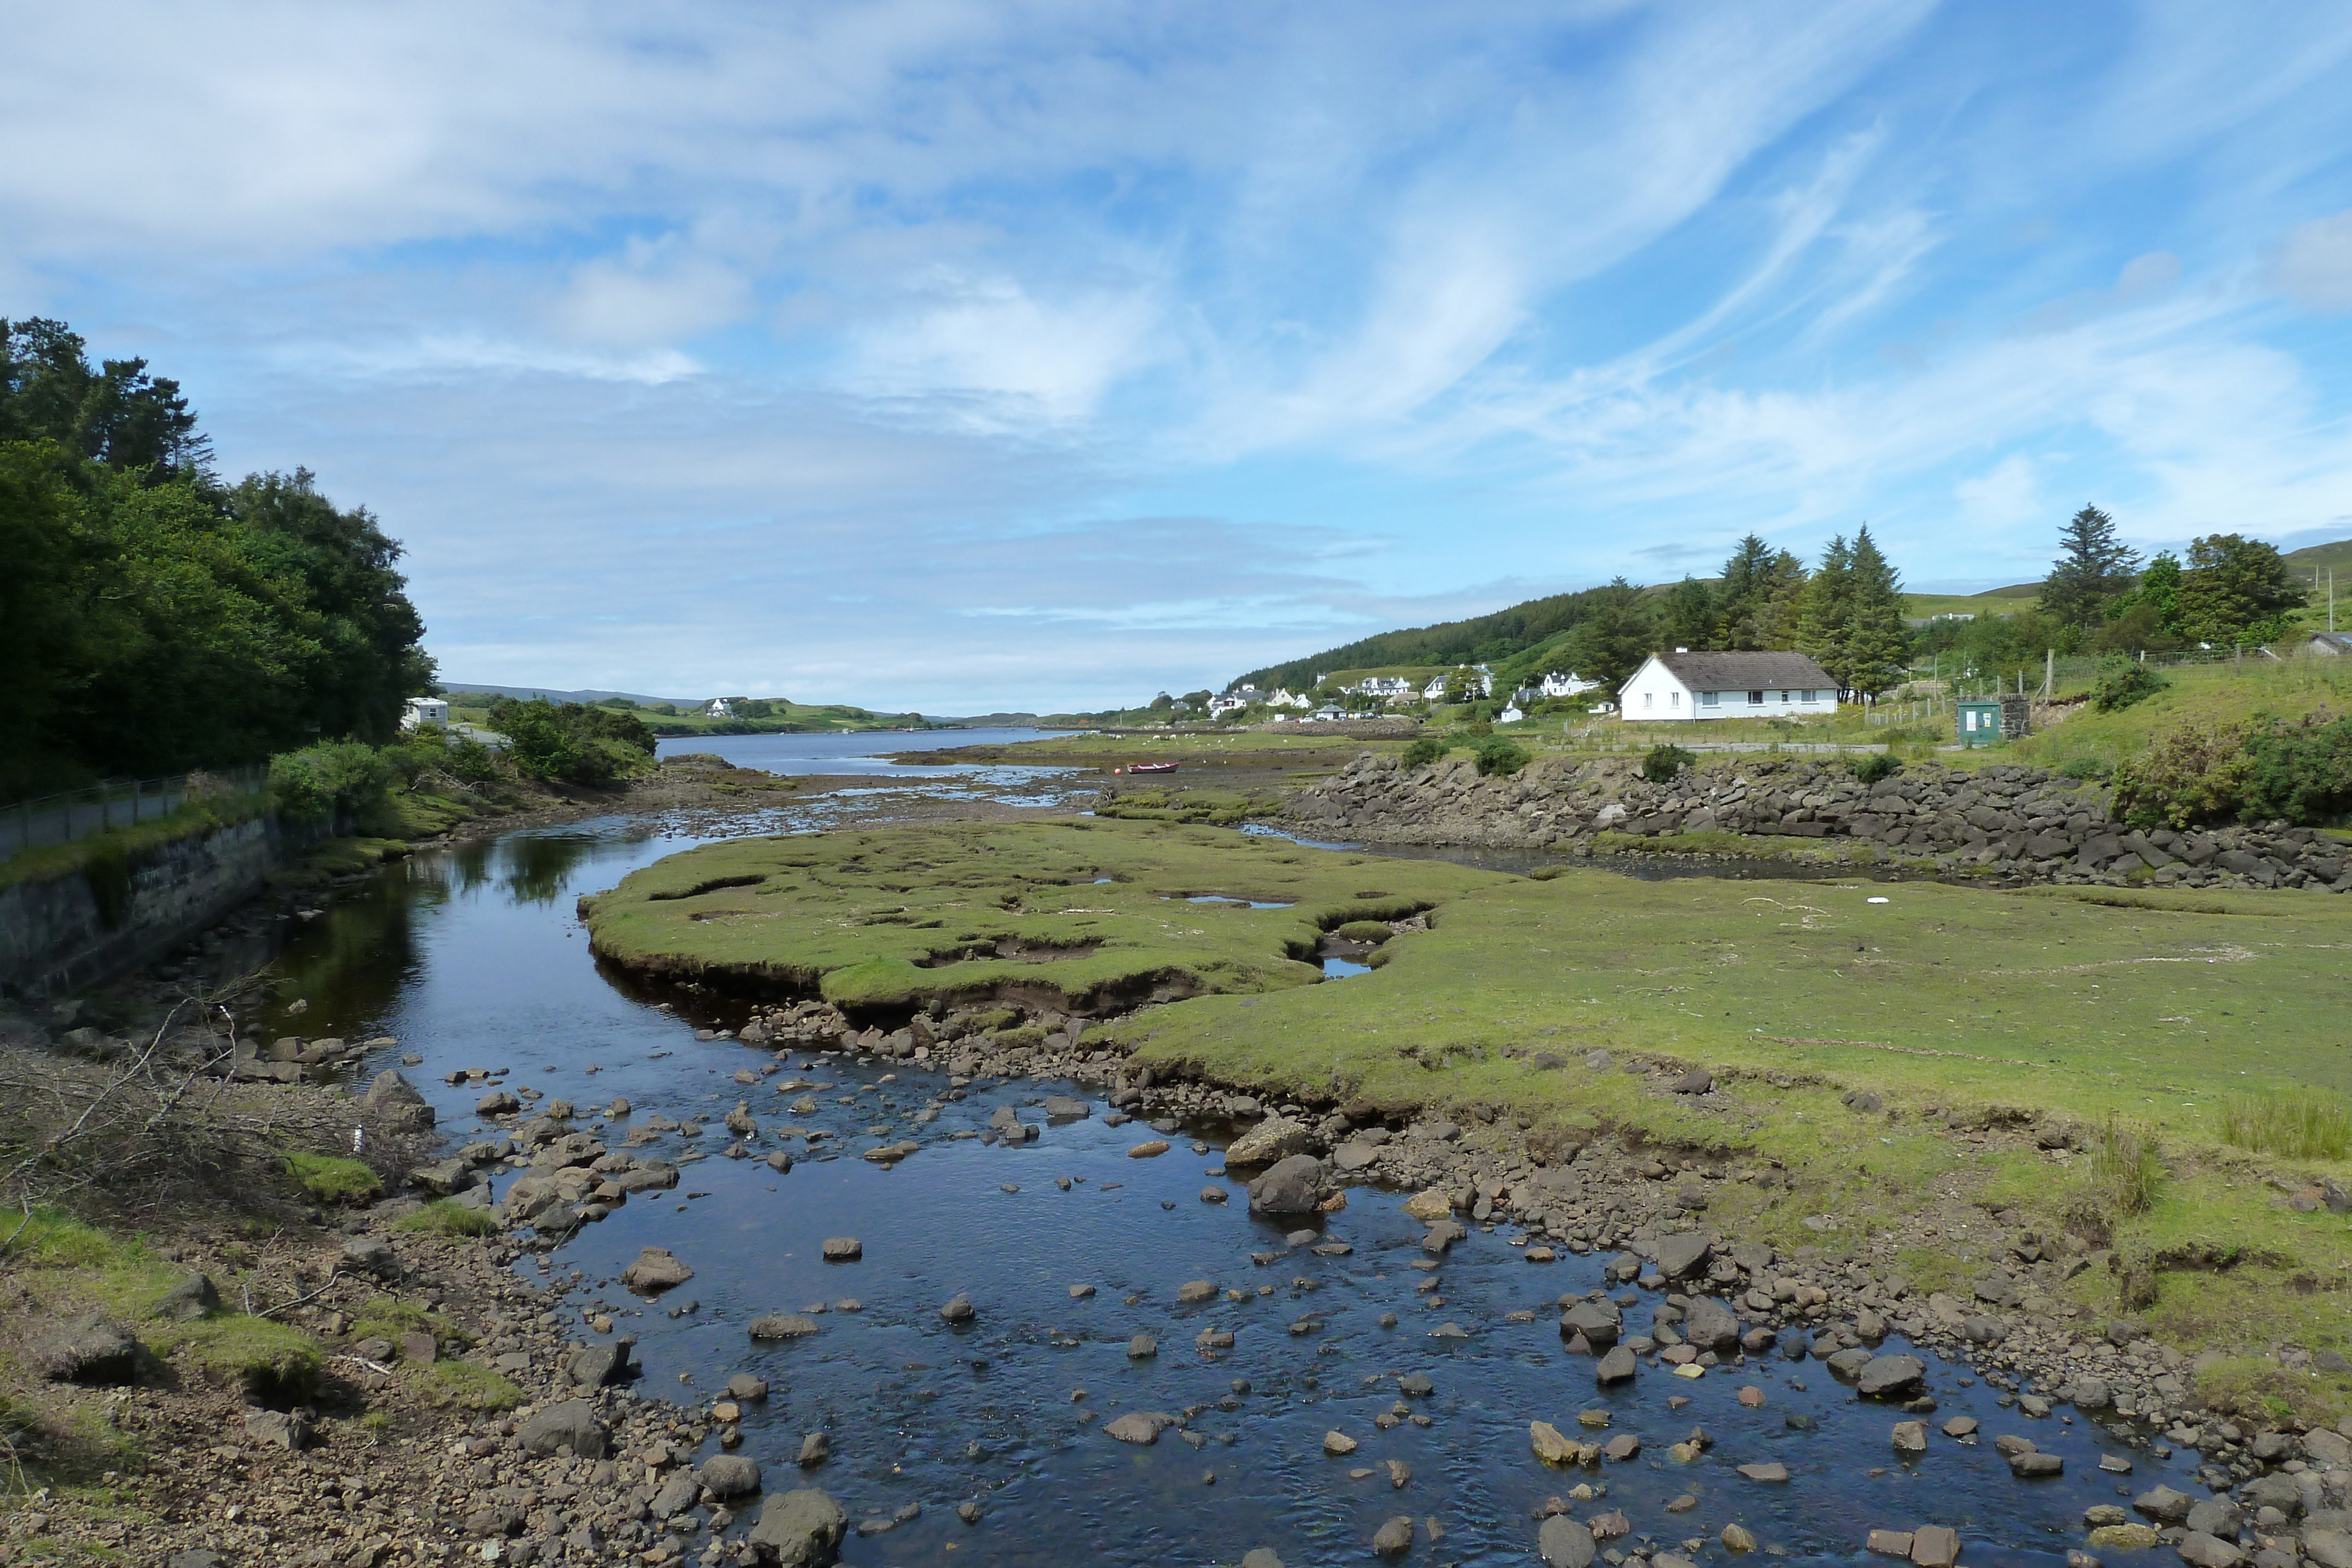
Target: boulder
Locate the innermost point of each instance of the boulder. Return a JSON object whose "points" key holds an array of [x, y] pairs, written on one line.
{"points": [[1063, 1108], [1709, 1325], [798, 1529], [188, 1299], [278, 1429], [1597, 1322], [1430, 1207], [498, 1102], [604, 1365], [842, 1250], [1275, 1138], [959, 1310], [1141, 1427], [1683, 1254], [1891, 1377], [677, 1494], [2165, 1504], [1293, 1185], [1934, 1546], [725, 1476], [571, 1427], [371, 1254], [783, 1325], [1394, 1537], [2202, 1551], [655, 1271], [1617, 1366], [393, 1100], [1564, 1543]]}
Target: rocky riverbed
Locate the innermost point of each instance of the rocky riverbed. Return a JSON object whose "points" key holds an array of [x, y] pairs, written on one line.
{"points": [[2003, 823]]}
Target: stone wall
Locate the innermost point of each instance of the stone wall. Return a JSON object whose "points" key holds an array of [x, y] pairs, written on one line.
{"points": [[90, 925], [2023, 823]]}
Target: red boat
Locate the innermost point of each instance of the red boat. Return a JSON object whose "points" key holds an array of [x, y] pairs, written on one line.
{"points": [[1147, 768]]}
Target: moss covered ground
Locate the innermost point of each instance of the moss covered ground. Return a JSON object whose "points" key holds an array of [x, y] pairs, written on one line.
{"points": [[1090, 914]]}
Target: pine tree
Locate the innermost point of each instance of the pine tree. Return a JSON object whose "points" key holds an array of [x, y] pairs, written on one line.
{"points": [[1826, 611], [1878, 649], [2094, 569], [1611, 642], [1757, 606], [1690, 614]]}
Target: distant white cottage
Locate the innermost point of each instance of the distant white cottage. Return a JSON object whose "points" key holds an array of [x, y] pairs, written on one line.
{"points": [[1686, 685], [717, 708], [1385, 688], [420, 711], [1557, 685], [1283, 697]]}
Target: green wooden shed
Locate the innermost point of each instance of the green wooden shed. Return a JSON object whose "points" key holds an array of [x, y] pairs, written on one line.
{"points": [[1978, 722]]}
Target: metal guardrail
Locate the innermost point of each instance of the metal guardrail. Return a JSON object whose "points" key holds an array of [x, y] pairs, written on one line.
{"points": [[63, 818]]}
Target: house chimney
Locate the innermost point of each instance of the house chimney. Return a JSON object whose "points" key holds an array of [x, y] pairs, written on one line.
{"points": [[1681, 650]]}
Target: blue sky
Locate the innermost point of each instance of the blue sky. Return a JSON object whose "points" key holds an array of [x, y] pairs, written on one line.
{"points": [[961, 356]]}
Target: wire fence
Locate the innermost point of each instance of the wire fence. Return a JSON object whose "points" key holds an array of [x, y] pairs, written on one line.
{"points": [[51, 819]]}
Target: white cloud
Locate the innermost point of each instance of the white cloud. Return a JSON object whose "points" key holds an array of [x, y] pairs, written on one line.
{"points": [[1021, 356], [2314, 267], [2002, 496]]}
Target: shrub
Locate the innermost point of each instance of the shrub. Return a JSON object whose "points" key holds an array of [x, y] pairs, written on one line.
{"points": [[2184, 777], [337, 777], [2123, 682], [1500, 758], [330, 1179], [2302, 1128], [2124, 1168], [2085, 768], [1875, 765], [1665, 764], [1423, 752], [572, 743], [2300, 770]]}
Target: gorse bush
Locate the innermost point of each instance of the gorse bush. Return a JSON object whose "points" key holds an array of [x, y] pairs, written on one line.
{"points": [[1423, 752], [2186, 776], [343, 778], [2296, 770], [1500, 758], [1875, 765], [1665, 764], [2304, 1127], [2301, 771], [2123, 682], [571, 742]]}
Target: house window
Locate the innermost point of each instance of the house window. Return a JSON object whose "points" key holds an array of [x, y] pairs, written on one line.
{"points": [[1649, 699], [1674, 699], [1755, 699], [1710, 699]]}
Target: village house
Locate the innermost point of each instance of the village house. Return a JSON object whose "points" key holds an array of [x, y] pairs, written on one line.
{"points": [[717, 708], [1687, 686], [1569, 685], [419, 711], [1435, 690], [1384, 689]]}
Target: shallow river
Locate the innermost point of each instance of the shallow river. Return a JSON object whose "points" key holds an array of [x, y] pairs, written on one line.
{"points": [[472, 956]]}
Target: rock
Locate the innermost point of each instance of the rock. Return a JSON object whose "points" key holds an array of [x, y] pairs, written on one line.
{"points": [[1275, 1138], [842, 1250], [745, 1388], [1891, 1377], [655, 1271], [1260, 1557], [447, 1179], [1148, 1149], [2033, 1463], [1142, 1347], [1617, 1366], [1063, 1108], [604, 1365], [957, 1310], [783, 1325], [2165, 1504], [1910, 1439], [1564, 1543], [1709, 1325], [1683, 1254], [728, 1475], [1765, 1472], [392, 1099], [1141, 1427], [1213, 1195], [90, 1348], [571, 1427], [277, 1429], [1697, 1080], [371, 1254], [1395, 1538], [2204, 1551], [677, 1494], [1550, 1446], [2215, 1516], [1293, 1185], [188, 1299], [816, 1448], [1934, 1546], [798, 1529], [1339, 1443], [196, 1557], [2126, 1537], [1430, 1207], [1597, 1322], [1889, 1542], [498, 1102], [1736, 1538], [2328, 1547]]}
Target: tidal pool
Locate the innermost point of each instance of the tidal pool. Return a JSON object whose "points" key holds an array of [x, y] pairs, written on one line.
{"points": [[471, 956]]}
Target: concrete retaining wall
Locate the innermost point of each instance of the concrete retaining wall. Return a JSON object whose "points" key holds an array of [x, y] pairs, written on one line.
{"points": [[91, 925]]}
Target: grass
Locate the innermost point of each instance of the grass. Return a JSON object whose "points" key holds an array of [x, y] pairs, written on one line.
{"points": [[1180, 803], [2123, 1171], [466, 1385], [330, 1179], [1095, 910], [2206, 695], [2301, 1127], [1299, 749], [443, 1218]]}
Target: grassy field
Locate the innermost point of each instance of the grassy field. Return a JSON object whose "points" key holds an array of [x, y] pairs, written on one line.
{"points": [[1236, 748], [1085, 914], [2206, 695]]}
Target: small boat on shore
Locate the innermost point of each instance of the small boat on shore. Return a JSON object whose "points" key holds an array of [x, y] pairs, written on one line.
{"points": [[1147, 768]]}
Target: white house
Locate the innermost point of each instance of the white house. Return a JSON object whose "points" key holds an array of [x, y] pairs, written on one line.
{"points": [[1283, 697], [1485, 682], [1686, 685], [1230, 702], [1330, 715], [717, 708], [1385, 688], [424, 710], [1510, 715], [1557, 685]]}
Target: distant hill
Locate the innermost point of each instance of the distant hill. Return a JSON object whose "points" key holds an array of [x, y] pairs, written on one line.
{"points": [[2322, 556], [1522, 629], [524, 694]]}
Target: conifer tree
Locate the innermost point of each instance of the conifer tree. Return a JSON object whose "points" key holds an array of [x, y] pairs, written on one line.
{"points": [[1878, 649], [2094, 569], [1826, 613]]}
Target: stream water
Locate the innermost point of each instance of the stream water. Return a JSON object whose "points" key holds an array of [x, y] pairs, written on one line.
{"points": [[472, 956]]}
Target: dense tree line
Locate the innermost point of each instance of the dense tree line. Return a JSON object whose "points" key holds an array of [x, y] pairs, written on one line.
{"points": [[2231, 591], [153, 618]]}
